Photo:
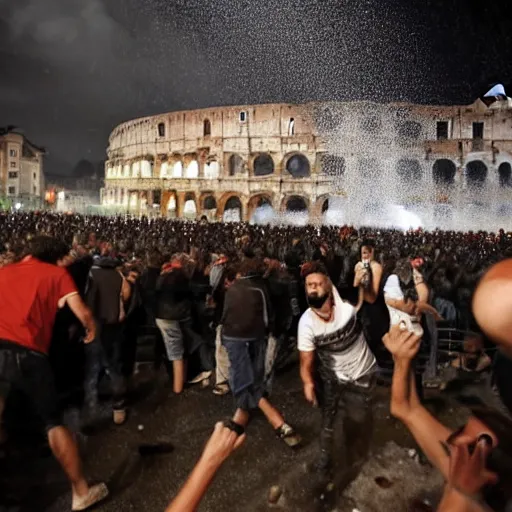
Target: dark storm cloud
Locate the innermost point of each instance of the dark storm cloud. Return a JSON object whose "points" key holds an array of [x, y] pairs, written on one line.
{"points": [[72, 69]]}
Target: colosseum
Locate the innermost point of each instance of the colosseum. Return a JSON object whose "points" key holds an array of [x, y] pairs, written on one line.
{"points": [[225, 162]]}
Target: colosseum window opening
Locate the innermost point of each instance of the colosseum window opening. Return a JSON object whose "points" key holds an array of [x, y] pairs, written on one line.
{"points": [[236, 165], [161, 129], [243, 116], [505, 174], [157, 197], [232, 210], [408, 170], [146, 169], [263, 165], [296, 204], [190, 209], [209, 203], [298, 166], [478, 136], [476, 173], [171, 205], [207, 128], [325, 205], [192, 169], [177, 170], [444, 172], [211, 170], [442, 130], [291, 127], [164, 169]]}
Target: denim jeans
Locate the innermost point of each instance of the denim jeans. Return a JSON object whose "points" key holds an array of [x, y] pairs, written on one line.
{"points": [[106, 353], [247, 370]]}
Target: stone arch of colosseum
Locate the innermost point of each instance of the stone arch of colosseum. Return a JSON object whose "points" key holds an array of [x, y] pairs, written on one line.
{"points": [[208, 201], [505, 174], [189, 204], [169, 203], [235, 165], [297, 165], [476, 173], [321, 205], [444, 171], [257, 200], [229, 197], [263, 164], [295, 203]]}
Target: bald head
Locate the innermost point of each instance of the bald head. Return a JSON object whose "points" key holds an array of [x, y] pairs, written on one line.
{"points": [[492, 304]]}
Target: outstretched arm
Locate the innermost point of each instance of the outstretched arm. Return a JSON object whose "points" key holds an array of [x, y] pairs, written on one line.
{"points": [[428, 432], [222, 443]]}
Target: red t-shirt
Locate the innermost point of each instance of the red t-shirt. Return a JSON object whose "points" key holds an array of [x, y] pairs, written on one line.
{"points": [[30, 292]]}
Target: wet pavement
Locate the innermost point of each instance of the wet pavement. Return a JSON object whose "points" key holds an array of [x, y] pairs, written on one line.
{"points": [[30, 481]]}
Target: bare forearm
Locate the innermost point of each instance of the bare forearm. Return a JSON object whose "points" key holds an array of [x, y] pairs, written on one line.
{"points": [[82, 312], [306, 371], [195, 487], [402, 382]]}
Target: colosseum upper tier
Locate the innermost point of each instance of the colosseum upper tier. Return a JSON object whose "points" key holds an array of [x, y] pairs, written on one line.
{"points": [[224, 162]]}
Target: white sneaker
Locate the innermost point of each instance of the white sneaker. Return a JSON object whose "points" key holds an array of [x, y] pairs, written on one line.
{"points": [[96, 494], [199, 378]]}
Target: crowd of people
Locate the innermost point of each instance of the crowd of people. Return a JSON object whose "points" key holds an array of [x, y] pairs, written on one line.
{"points": [[228, 303]]}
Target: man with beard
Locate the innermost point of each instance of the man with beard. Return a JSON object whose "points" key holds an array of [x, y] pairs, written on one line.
{"points": [[345, 365]]}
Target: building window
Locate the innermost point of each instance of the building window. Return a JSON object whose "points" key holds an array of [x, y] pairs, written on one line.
{"points": [[13, 164], [161, 129], [442, 130], [478, 136], [13, 175], [35, 176], [12, 191], [207, 128], [478, 131], [243, 116], [13, 153], [291, 127]]}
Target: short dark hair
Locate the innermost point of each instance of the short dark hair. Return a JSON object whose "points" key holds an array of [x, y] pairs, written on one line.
{"points": [[313, 267], [48, 249]]}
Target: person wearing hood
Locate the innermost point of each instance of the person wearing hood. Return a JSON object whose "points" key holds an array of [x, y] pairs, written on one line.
{"points": [[107, 294]]}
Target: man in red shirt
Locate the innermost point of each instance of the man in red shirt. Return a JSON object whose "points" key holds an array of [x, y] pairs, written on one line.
{"points": [[31, 292]]}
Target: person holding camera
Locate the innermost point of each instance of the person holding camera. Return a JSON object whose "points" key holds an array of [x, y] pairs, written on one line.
{"points": [[373, 313]]}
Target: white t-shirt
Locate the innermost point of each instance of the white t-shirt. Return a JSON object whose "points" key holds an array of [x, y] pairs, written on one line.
{"points": [[392, 290], [350, 364]]}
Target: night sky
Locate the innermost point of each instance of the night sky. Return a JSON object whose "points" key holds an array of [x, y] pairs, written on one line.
{"points": [[70, 70]]}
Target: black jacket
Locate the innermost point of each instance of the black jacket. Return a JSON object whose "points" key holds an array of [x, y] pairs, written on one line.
{"points": [[103, 293], [173, 296], [248, 311]]}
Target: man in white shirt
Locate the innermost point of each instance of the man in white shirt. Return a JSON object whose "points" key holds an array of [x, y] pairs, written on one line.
{"points": [[345, 364]]}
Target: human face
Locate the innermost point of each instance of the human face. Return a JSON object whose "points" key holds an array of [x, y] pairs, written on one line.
{"points": [[366, 253], [318, 286]]}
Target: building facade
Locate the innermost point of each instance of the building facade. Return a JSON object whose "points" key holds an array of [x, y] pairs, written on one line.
{"points": [[21, 166], [225, 162]]}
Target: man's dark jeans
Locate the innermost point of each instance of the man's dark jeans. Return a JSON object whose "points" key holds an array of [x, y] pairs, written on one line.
{"points": [[106, 353], [356, 403]]}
